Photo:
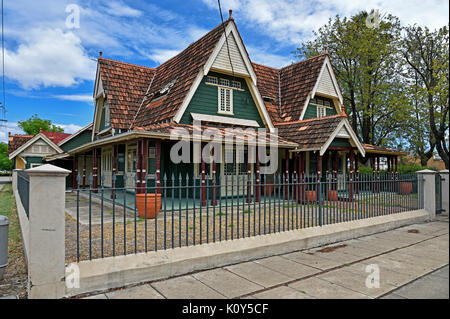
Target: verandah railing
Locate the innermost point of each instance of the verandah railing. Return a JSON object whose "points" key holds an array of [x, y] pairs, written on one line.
{"points": [[23, 188], [108, 222]]}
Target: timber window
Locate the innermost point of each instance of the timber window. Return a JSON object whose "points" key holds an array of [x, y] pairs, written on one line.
{"points": [[212, 80], [321, 111], [225, 102]]}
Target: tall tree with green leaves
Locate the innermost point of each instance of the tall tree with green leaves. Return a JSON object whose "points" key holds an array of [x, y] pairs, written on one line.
{"points": [[34, 124], [367, 64], [427, 56], [5, 163]]}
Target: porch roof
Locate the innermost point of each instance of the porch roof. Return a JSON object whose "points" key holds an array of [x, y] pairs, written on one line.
{"points": [[374, 149], [317, 133], [175, 131]]}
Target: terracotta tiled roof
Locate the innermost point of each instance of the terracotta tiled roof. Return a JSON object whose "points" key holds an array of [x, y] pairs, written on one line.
{"points": [[167, 128], [16, 141], [311, 133], [182, 69], [295, 82], [125, 85], [382, 150], [56, 137]]}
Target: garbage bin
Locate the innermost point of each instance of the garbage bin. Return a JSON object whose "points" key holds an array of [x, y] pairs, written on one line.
{"points": [[4, 225]]}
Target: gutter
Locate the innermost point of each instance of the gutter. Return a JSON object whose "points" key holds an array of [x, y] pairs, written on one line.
{"points": [[162, 136]]}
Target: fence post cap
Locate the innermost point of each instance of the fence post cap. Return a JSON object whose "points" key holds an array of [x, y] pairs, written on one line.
{"points": [[426, 171], [444, 171], [47, 170]]}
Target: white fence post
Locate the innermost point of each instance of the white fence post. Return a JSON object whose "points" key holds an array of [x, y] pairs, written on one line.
{"points": [[14, 179], [445, 190], [46, 263], [428, 179]]}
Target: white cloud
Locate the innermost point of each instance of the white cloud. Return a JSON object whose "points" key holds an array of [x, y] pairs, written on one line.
{"points": [[49, 57], [11, 127], [119, 9], [263, 56], [292, 21], [161, 55], [75, 97], [69, 128]]}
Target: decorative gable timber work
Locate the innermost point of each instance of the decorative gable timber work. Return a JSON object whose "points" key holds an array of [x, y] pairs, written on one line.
{"points": [[49, 139], [250, 79], [327, 83], [222, 60], [318, 134]]}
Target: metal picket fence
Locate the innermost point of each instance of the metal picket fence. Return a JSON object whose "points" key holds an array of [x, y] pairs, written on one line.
{"points": [[23, 188], [121, 220]]}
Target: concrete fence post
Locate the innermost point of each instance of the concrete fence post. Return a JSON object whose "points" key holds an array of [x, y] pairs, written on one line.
{"points": [[14, 179], [46, 263], [428, 179], [445, 190]]}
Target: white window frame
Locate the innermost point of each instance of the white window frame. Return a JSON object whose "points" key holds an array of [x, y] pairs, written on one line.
{"points": [[219, 100], [212, 80], [131, 158], [321, 111], [35, 165], [224, 82], [236, 85]]}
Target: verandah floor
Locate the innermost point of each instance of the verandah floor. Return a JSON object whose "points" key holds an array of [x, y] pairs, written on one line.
{"points": [[188, 227]]}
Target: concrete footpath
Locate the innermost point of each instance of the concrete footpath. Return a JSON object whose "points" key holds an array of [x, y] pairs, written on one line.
{"points": [[408, 262]]}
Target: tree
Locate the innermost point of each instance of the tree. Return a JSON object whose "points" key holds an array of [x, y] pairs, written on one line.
{"points": [[34, 124], [427, 55], [367, 64], [5, 163]]}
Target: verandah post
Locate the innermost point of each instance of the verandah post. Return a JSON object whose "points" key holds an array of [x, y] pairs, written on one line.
{"points": [[203, 177], [350, 195], [257, 177], [144, 163], [75, 172], [158, 167], [84, 170], [319, 174], [94, 171], [286, 181], [138, 166], [113, 177], [357, 173]]}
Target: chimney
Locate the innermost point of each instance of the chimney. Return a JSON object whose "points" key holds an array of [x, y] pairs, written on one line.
{"points": [[325, 49], [100, 54], [40, 130], [230, 12]]}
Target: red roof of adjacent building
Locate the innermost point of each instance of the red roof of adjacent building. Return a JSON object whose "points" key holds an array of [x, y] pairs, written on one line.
{"points": [[16, 141]]}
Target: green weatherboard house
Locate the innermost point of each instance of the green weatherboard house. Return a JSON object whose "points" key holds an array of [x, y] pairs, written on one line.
{"points": [[213, 81]]}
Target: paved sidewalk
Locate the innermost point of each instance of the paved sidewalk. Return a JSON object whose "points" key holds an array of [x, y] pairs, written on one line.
{"points": [[406, 260]]}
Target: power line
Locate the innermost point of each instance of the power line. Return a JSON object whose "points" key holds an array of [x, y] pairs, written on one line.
{"points": [[3, 105]]}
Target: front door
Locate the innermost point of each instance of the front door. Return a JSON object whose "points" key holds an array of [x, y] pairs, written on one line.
{"points": [[131, 165], [234, 170], [107, 166]]}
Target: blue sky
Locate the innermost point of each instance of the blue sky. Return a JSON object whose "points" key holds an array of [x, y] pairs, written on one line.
{"points": [[50, 67]]}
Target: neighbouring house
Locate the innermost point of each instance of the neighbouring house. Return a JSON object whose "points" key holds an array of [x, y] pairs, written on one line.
{"points": [[138, 110], [29, 151]]}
